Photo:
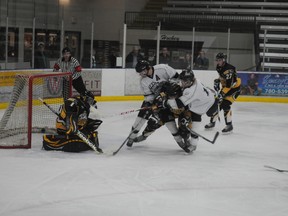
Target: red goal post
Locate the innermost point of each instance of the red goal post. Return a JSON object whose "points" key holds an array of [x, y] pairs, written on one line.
{"points": [[25, 114]]}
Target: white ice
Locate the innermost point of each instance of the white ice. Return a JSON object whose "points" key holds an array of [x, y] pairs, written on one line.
{"points": [[155, 177]]}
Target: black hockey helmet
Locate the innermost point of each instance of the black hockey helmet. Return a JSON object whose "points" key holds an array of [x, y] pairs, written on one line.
{"points": [[142, 65], [221, 55], [187, 77], [172, 89], [66, 49]]}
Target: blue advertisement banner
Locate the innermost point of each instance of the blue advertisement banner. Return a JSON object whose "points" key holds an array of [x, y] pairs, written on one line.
{"points": [[266, 84]]}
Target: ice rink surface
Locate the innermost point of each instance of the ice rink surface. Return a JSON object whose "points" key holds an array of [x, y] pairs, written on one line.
{"points": [[155, 177]]}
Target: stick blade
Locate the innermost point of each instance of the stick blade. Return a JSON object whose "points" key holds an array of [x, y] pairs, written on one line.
{"points": [[215, 137], [279, 170]]}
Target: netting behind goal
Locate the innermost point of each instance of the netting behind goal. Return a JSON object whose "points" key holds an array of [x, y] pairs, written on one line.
{"points": [[26, 114]]}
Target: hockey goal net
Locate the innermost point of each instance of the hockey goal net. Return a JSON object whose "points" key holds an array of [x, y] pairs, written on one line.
{"points": [[26, 114]]}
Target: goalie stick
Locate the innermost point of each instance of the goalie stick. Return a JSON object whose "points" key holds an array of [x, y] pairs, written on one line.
{"points": [[279, 170], [78, 133]]}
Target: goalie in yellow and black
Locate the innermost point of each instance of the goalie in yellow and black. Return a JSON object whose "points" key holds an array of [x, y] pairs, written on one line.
{"points": [[74, 115]]}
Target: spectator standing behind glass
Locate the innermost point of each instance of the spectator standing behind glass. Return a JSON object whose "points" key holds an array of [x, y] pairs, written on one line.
{"points": [[164, 57], [201, 62], [86, 60], [40, 57], [93, 57], [186, 62], [112, 58], [67, 63], [133, 57], [151, 58]]}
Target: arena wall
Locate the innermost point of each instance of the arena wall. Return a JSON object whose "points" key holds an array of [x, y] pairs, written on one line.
{"points": [[123, 84]]}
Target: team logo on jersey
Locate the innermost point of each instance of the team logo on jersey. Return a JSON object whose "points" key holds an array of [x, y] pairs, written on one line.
{"points": [[54, 85], [153, 86], [157, 78]]}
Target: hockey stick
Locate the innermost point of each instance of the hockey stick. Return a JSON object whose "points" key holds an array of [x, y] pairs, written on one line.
{"points": [[279, 170], [127, 112], [210, 141], [218, 105], [78, 133], [120, 147]]}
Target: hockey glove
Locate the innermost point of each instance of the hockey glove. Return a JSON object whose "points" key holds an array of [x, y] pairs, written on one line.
{"points": [[154, 122], [220, 97], [158, 101], [217, 85]]}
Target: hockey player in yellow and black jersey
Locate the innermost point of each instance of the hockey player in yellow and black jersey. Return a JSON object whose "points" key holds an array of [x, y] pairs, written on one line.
{"points": [[230, 90], [74, 116]]}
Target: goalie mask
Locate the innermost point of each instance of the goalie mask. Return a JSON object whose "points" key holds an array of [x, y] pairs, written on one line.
{"points": [[187, 78]]}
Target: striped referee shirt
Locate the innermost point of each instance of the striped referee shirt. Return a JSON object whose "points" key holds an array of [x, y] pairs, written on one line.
{"points": [[71, 66]]}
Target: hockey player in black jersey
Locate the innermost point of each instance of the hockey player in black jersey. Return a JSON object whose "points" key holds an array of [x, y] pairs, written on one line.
{"points": [[73, 116], [228, 93]]}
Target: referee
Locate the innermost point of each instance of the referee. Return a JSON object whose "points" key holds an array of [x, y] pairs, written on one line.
{"points": [[67, 63]]}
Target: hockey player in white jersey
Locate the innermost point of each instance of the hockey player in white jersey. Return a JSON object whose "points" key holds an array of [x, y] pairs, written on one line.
{"points": [[152, 78], [196, 100]]}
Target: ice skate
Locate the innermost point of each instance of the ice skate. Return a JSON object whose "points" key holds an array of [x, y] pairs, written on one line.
{"points": [[190, 144], [183, 146], [189, 148], [228, 129], [130, 142], [140, 138], [210, 125]]}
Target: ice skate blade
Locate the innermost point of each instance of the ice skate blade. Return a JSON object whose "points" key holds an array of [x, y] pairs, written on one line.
{"points": [[209, 129], [227, 133]]}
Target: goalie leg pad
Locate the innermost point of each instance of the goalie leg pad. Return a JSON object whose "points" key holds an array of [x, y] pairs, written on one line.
{"points": [[64, 143]]}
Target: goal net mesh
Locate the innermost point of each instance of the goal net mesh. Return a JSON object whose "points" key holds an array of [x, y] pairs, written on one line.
{"points": [[26, 114]]}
